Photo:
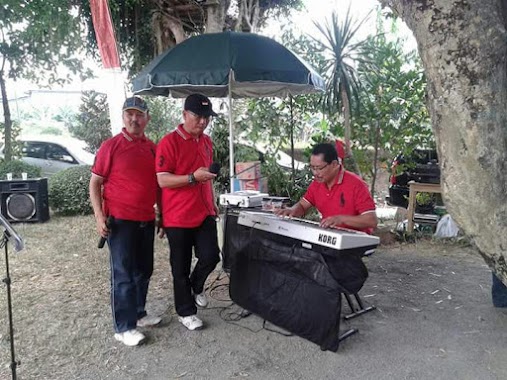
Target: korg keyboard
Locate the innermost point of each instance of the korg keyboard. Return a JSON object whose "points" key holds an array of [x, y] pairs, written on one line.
{"points": [[308, 232]]}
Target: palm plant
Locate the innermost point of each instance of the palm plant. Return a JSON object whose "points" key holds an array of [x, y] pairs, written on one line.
{"points": [[340, 68]]}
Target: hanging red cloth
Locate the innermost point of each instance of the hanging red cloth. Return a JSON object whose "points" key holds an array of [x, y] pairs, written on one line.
{"points": [[340, 149], [104, 33]]}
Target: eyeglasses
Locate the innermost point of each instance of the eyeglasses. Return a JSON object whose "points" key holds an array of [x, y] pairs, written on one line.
{"points": [[198, 117], [318, 169]]}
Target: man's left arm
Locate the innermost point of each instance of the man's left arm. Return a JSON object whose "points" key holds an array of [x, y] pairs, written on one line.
{"points": [[366, 220], [365, 208]]}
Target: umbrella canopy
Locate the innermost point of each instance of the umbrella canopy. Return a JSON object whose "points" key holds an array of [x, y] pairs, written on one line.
{"points": [[228, 64], [253, 66]]}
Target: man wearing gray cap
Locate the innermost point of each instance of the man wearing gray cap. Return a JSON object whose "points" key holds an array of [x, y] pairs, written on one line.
{"points": [[123, 191], [184, 157]]}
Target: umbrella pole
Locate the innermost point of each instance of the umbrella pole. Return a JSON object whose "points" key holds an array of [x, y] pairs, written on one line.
{"points": [[231, 136], [292, 140]]}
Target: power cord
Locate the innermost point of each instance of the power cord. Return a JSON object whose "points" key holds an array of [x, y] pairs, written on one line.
{"points": [[233, 313]]}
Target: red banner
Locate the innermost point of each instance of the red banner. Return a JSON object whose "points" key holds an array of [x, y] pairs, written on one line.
{"points": [[104, 33]]}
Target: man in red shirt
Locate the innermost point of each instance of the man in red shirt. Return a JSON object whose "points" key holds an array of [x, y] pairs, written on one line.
{"points": [[340, 196], [189, 210], [123, 186]]}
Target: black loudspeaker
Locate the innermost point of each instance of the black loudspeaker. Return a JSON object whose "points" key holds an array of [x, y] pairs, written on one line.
{"points": [[25, 200]]}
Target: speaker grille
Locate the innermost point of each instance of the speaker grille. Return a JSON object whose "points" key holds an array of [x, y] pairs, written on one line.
{"points": [[24, 200], [20, 207]]}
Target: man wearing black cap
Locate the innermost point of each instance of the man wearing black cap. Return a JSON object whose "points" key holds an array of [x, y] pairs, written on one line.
{"points": [[188, 206], [123, 187]]}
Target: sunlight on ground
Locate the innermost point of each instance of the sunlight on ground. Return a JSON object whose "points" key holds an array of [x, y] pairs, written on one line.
{"points": [[386, 213]]}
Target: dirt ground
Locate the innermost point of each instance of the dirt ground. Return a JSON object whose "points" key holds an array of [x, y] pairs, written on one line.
{"points": [[434, 320]]}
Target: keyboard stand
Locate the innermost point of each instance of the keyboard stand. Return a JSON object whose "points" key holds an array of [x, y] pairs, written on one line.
{"points": [[356, 310], [341, 338], [347, 334]]}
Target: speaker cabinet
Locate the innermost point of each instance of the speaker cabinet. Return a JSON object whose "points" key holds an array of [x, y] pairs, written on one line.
{"points": [[25, 200]]}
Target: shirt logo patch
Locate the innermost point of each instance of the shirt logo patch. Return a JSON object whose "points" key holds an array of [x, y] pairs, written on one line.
{"points": [[161, 161]]}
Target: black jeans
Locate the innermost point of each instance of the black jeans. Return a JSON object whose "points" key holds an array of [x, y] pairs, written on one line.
{"points": [[131, 247], [181, 241]]}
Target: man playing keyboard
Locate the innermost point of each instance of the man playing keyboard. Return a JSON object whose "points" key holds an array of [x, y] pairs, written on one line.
{"points": [[340, 196]]}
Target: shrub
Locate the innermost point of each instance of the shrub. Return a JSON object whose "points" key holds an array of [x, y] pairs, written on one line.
{"points": [[17, 167], [68, 191], [281, 183]]}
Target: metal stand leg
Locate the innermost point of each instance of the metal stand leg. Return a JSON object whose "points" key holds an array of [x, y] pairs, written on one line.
{"points": [[356, 311], [347, 334], [7, 281]]}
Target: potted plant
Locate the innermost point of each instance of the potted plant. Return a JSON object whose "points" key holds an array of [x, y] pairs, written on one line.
{"points": [[424, 203]]}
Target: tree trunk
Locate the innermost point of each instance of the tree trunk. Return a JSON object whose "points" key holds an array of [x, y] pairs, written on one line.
{"points": [[375, 158], [216, 16], [7, 120], [463, 49], [168, 31], [177, 30]]}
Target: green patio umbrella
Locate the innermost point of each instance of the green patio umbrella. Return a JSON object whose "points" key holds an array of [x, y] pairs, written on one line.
{"points": [[228, 64]]}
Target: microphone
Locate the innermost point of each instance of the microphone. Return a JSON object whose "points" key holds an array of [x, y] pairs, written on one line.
{"points": [[11, 235], [109, 223], [214, 168]]}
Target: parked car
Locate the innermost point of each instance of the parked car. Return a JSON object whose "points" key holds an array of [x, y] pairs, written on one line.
{"points": [[53, 153], [259, 150], [421, 165]]}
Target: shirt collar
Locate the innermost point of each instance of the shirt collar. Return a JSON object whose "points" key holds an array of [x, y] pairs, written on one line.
{"points": [[339, 177], [184, 134], [130, 137]]}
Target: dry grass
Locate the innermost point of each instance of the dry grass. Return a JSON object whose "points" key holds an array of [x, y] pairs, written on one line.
{"points": [[60, 295], [430, 297]]}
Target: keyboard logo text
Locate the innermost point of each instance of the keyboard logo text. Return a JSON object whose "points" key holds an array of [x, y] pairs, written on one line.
{"points": [[328, 239]]}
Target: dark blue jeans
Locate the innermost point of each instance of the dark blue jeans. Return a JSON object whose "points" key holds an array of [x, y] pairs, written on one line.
{"points": [[181, 242], [131, 247], [498, 292]]}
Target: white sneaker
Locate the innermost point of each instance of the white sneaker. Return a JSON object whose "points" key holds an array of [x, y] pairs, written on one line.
{"points": [[191, 322], [130, 337], [148, 321], [201, 300]]}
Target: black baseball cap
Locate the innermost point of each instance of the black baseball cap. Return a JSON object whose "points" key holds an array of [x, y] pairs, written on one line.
{"points": [[199, 104], [135, 103]]}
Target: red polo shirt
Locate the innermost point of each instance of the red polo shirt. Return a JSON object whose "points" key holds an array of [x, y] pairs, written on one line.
{"points": [[181, 154], [348, 196], [127, 165]]}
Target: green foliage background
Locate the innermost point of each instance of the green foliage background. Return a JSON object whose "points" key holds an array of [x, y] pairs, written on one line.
{"points": [[68, 191], [92, 125], [17, 167], [386, 86], [280, 181]]}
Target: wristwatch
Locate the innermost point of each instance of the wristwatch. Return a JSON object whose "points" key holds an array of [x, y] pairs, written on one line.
{"points": [[191, 179]]}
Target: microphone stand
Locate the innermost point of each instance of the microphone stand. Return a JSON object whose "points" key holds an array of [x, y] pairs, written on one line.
{"points": [[7, 281]]}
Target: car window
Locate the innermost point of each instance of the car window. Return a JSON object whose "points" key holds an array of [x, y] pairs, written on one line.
{"points": [[34, 150], [58, 153]]}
